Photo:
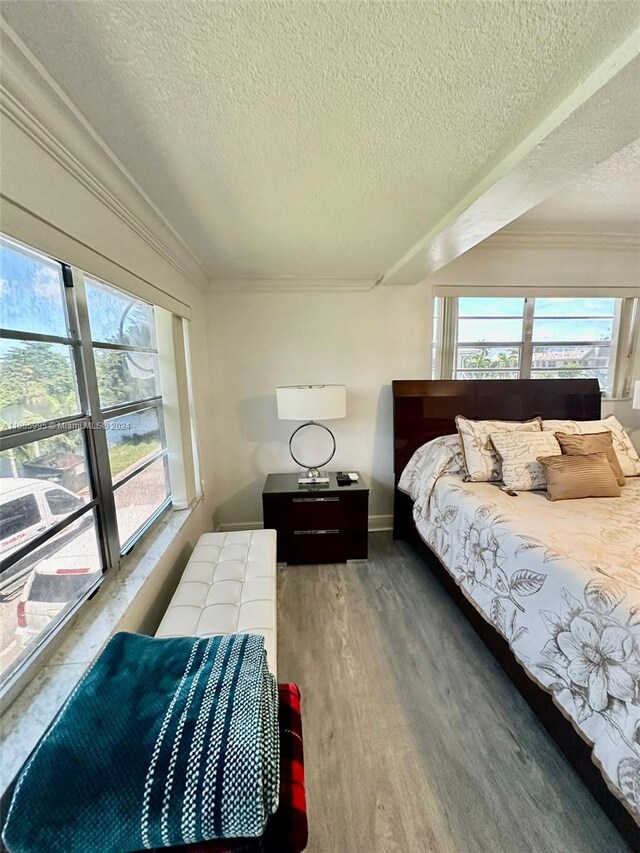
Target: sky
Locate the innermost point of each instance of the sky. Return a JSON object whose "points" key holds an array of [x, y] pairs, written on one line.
{"points": [[32, 300], [584, 319]]}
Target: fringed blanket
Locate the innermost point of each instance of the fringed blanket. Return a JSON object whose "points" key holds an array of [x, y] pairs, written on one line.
{"points": [[163, 742]]}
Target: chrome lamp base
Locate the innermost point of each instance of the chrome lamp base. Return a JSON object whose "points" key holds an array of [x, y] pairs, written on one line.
{"points": [[312, 477]]}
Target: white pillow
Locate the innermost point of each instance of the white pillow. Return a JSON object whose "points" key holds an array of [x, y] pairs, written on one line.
{"points": [[480, 458], [519, 452], [625, 451]]}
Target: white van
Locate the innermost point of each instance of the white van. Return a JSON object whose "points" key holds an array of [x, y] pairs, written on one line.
{"points": [[27, 508]]}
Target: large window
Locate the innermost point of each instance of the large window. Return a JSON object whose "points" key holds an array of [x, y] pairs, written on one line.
{"points": [[83, 452], [535, 338]]}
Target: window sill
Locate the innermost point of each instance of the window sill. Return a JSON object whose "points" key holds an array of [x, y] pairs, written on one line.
{"points": [[25, 717]]}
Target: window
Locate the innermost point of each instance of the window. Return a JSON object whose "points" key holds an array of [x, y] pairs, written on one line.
{"points": [[128, 379], [83, 452], [537, 338]]}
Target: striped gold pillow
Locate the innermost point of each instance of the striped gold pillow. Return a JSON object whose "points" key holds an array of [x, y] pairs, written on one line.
{"points": [[597, 442], [588, 476]]}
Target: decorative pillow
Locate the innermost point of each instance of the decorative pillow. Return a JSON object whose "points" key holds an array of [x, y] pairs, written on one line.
{"points": [[481, 461], [597, 442], [519, 451], [570, 477], [625, 451]]}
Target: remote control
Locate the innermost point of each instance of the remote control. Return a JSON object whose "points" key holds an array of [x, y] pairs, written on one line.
{"points": [[343, 479]]}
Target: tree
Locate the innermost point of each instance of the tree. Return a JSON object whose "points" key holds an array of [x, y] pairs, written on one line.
{"points": [[477, 360], [507, 360], [36, 383], [123, 376], [482, 360]]}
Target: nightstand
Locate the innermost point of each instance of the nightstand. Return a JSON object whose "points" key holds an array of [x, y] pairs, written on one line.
{"points": [[317, 524]]}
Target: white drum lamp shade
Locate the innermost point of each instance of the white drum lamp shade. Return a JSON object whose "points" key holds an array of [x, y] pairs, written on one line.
{"points": [[636, 395], [311, 402]]}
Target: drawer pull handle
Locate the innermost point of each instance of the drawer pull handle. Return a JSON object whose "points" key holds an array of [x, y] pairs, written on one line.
{"points": [[314, 500], [314, 532]]}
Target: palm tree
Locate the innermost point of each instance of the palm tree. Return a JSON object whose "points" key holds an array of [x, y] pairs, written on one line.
{"points": [[477, 360], [507, 360]]}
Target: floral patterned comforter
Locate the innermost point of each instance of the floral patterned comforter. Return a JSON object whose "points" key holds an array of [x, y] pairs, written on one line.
{"points": [[560, 581]]}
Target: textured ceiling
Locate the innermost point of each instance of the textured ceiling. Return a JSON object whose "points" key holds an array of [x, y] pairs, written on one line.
{"points": [[314, 139], [604, 200]]}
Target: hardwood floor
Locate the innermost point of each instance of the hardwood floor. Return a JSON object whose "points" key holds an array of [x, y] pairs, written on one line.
{"points": [[415, 740]]}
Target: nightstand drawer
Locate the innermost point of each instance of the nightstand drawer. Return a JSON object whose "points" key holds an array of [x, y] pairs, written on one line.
{"points": [[316, 512], [311, 512], [322, 546]]}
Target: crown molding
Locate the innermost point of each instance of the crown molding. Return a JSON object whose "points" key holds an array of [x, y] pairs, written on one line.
{"points": [[291, 284], [33, 101], [534, 239]]}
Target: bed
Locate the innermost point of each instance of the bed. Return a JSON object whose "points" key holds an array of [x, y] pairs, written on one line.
{"points": [[548, 586]]}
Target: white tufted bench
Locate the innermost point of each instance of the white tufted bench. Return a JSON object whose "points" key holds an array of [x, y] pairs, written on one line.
{"points": [[228, 587]]}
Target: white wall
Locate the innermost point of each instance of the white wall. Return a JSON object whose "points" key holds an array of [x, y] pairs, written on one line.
{"points": [[259, 341], [364, 340], [504, 265]]}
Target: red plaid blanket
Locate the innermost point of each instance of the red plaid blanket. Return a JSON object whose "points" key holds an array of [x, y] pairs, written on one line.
{"points": [[287, 830]]}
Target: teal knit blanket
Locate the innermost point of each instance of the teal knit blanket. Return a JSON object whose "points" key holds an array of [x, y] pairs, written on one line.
{"points": [[163, 742]]}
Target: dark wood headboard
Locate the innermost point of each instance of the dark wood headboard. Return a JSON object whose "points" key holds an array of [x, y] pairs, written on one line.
{"points": [[424, 409]]}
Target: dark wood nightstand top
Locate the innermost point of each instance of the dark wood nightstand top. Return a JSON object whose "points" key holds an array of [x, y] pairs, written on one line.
{"points": [[285, 484]]}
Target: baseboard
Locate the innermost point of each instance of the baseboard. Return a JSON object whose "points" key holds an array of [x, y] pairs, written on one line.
{"points": [[240, 525], [377, 523]]}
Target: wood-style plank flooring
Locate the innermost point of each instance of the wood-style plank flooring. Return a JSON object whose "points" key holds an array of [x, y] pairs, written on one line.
{"points": [[415, 740]]}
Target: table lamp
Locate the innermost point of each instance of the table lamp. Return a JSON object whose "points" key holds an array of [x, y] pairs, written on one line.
{"points": [[312, 403]]}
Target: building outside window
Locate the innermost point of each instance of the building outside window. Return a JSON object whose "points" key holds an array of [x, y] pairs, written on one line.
{"points": [[83, 450]]}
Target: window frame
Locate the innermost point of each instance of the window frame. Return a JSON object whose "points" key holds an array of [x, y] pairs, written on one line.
{"points": [[621, 347], [90, 419]]}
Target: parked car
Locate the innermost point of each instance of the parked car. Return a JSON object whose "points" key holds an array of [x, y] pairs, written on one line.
{"points": [[51, 586], [29, 507]]}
